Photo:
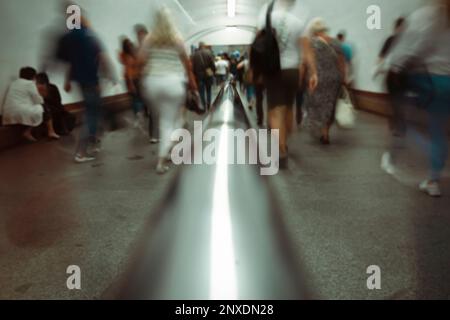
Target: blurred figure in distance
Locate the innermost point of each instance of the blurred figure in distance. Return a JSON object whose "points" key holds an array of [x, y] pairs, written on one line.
{"points": [[128, 58]]}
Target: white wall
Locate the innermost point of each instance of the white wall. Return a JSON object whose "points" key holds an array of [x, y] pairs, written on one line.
{"points": [[350, 15], [228, 36], [23, 22]]}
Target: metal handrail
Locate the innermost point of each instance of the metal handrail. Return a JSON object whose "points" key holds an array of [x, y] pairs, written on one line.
{"points": [[219, 234]]}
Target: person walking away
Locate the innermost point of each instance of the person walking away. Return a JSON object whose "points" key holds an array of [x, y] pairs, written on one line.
{"points": [[222, 69], [81, 49], [141, 32], [128, 58], [204, 70], [321, 104], [397, 121], [168, 71], [247, 80], [294, 50]]}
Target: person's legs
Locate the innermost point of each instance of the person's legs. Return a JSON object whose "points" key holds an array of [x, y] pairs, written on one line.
{"points": [[250, 95], [51, 130], [27, 134], [277, 121], [208, 85], [259, 104], [170, 119], [298, 105], [202, 91], [438, 152], [289, 122], [152, 110], [138, 104], [439, 146], [397, 123], [48, 119], [153, 121], [92, 101], [137, 107]]}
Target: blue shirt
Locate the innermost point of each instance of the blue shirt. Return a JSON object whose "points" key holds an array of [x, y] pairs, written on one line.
{"points": [[348, 51], [81, 49]]}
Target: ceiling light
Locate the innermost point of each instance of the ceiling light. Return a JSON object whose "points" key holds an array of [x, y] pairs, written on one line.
{"points": [[231, 8]]}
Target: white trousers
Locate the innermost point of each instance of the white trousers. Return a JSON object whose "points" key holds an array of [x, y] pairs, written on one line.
{"points": [[167, 96]]}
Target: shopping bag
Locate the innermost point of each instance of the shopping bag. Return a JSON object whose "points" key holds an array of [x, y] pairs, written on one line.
{"points": [[345, 111], [194, 103]]}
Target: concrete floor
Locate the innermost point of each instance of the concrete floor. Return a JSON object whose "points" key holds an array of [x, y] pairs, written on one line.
{"points": [[342, 212], [345, 214], [55, 213]]}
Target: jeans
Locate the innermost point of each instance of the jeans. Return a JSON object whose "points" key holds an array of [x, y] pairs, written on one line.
{"points": [[250, 92], [204, 86], [136, 103], [437, 93], [92, 102], [136, 98]]}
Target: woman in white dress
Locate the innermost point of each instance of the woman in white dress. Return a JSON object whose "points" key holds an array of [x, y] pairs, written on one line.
{"points": [[24, 104], [167, 72]]}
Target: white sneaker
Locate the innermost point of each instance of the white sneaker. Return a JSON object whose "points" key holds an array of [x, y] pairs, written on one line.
{"points": [[154, 141], [83, 159], [386, 163], [431, 188]]}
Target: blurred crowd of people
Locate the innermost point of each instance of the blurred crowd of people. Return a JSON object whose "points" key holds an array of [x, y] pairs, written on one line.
{"points": [[307, 75]]}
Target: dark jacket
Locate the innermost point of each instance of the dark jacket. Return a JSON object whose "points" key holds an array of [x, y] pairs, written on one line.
{"points": [[202, 60]]}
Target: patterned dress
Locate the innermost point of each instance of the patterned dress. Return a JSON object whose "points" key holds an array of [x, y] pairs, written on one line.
{"points": [[321, 104]]}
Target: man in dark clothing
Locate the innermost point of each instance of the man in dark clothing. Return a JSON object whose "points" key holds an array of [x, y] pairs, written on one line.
{"points": [[81, 49], [397, 120], [204, 69], [63, 121], [390, 42]]}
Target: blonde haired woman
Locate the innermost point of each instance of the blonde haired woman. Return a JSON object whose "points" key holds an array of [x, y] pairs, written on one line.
{"points": [[330, 64], [167, 71]]}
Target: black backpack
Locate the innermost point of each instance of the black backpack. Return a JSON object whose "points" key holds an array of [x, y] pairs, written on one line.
{"points": [[265, 52]]}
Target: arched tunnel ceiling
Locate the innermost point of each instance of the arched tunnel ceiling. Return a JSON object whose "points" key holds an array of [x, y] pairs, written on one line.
{"points": [[201, 10], [203, 17]]}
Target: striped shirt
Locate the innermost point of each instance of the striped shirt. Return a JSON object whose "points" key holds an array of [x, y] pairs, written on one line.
{"points": [[165, 61]]}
